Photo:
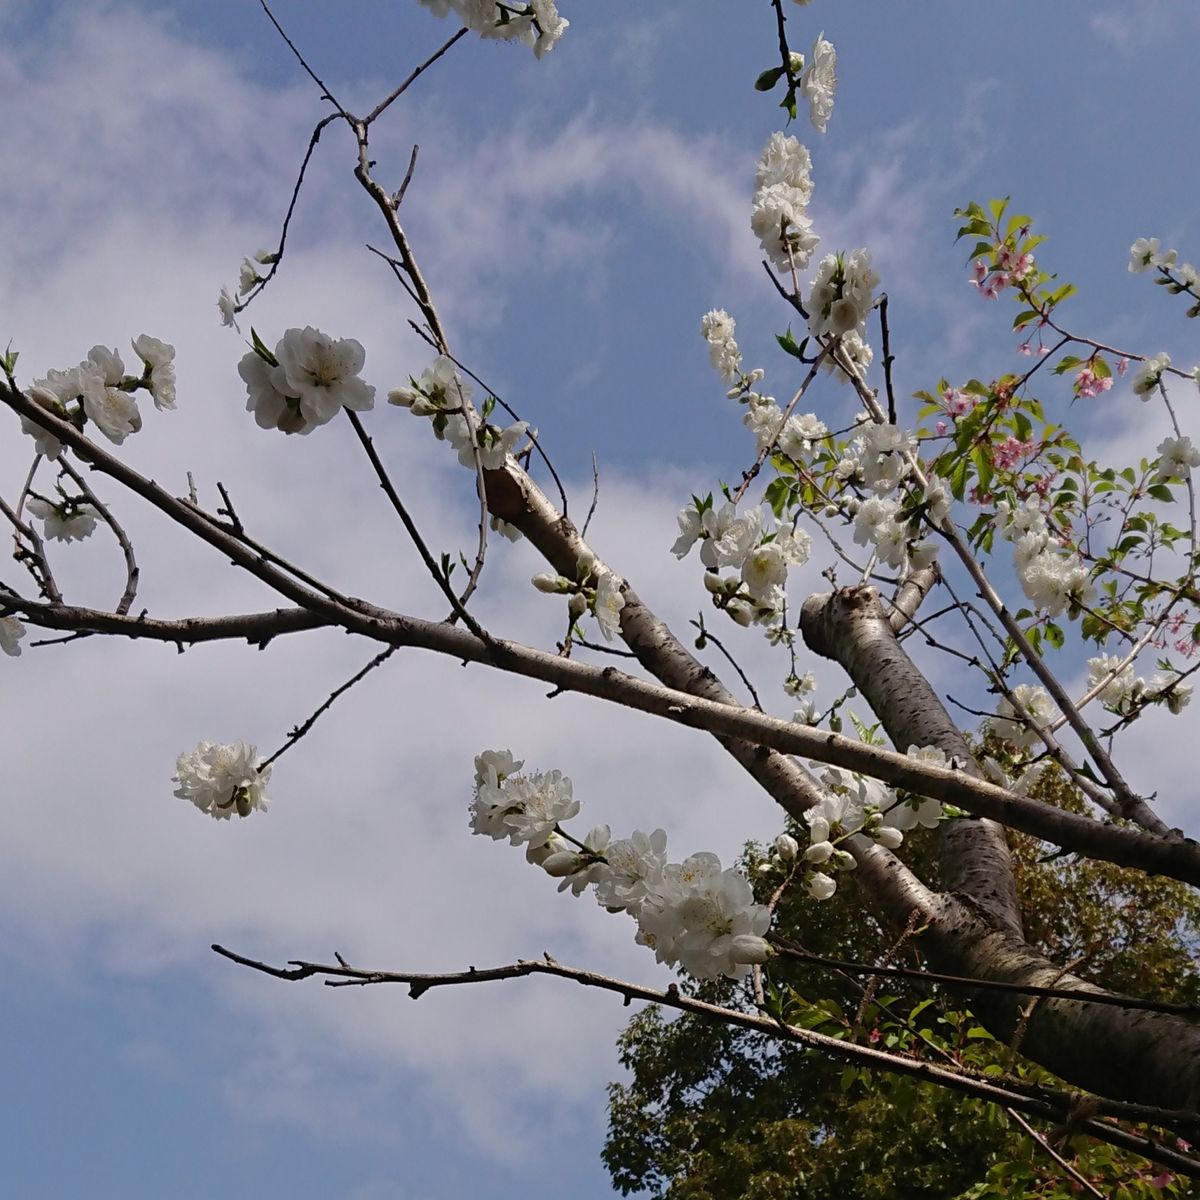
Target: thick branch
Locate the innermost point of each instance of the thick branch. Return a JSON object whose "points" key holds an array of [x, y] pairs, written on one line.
{"points": [[850, 627]]}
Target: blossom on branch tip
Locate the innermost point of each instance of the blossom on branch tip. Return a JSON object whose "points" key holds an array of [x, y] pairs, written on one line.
{"points": [[537, 23], [222, 779], [1149, 374], [12, 631], [1177, 457], [227, 307], [819, 82], [158, 359], [717, 328]]}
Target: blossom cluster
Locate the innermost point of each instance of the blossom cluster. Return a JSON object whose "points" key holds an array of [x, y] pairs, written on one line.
{"points": [[595, 587], [1010, 265], [1053, 579], [880, 459], [1121, 691], [783, 187], [841, 295], [692, 914], [12, 630], [442, 395], [536, 24], [1176, 458], [221, 780], [1149, 374], [749, 545], [308, 379], [857, 811], [1011, 727], [98, 390], [1145, 253]]}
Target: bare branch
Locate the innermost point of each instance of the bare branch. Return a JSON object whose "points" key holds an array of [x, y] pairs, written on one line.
{"points": [[1042, 1103]]}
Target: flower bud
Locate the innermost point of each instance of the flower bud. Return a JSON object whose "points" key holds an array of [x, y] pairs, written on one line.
{"points": [[549, 582], [821, 887], [819, 852], [747, 948], [889, 838], [587, 563], [561, 864], [577, 606], [403, 397], [843, 860], [818, 829], [786, 847], [741, 612], [713, 582]]}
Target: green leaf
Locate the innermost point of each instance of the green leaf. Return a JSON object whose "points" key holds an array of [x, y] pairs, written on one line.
{"points": [[788, 343], [768, 79]]}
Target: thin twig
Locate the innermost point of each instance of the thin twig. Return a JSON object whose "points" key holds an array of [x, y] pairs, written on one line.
{"points": [[132, 571], [326, 94], [431, 564], [595, 497], [1054, 1105], [392, 97], [300, 730]]}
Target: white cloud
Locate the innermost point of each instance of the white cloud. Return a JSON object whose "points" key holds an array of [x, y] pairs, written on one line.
{"points": [[365, 850]]}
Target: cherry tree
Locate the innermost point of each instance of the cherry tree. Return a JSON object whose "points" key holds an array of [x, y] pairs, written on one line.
{"points": [[969, 521]]}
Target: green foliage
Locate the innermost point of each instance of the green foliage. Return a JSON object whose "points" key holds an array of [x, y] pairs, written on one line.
{"points": [[714, 1113]]}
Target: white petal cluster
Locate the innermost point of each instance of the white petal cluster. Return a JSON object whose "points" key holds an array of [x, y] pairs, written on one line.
{"points": [[748, 544], [1149, 374], [522, 808], [704, 919], [1007, 725], [536, 24], [158, 359], [1123, 692], [1176, 458], [12, 631], [717, 328], [800, 435], [99, 386], [853, 348], [306, 382], [1116, 676], [608, 604], [222, 779], [45, 442], [778, 213], [691, 914], [1053, 580], [442, 395], [69, 521], [841, 294], [1145, 253], [858, 811], [819, 82]]}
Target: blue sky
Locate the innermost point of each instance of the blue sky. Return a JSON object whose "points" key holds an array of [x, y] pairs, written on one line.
{"points": [[575, 217]]}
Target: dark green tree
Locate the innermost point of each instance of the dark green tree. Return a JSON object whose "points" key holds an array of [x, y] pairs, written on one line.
{"points": [[711, 1112]]}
